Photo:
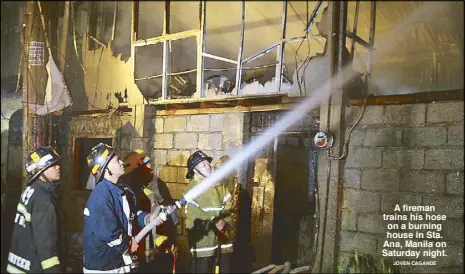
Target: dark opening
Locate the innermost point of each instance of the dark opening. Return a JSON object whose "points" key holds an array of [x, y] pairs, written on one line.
{"points": [[82, 149]]}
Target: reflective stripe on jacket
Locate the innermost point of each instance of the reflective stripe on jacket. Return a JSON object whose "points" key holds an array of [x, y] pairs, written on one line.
{"points": [[107, 229], [202, 240], [35, 246]]}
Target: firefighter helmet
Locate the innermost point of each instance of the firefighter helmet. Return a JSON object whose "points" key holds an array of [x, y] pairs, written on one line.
{"points": [[221, 161], [98, 159], [134, 160], [39, 160], [194, 160]]}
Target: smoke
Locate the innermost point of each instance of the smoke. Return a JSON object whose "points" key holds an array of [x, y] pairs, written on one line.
{"points": [[427, 11]]}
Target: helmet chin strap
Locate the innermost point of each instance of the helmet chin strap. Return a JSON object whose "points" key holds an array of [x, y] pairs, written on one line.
{"points": [[109, 171], [46, 179], [200, 172]]}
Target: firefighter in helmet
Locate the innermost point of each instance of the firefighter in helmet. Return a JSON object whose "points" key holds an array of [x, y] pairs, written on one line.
{"points": [[110, 216], [157, 250], [207, 220], [36, 242]]}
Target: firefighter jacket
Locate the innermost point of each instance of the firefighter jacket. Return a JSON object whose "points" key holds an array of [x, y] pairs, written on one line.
{"points": [[35, 246], [110, 216], [201, 216]]}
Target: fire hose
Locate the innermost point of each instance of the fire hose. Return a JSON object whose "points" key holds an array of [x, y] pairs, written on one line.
{"points": [[163, 215]]}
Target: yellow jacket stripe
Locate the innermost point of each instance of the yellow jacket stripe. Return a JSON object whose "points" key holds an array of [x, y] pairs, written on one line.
{"points": [[50, 262], [12, 269], [21, 208], [159, 240]]}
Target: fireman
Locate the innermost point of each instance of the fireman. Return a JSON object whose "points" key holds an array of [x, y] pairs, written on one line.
{"points": [[157, 250], [110, 216], [36, 242], [207, 220]]}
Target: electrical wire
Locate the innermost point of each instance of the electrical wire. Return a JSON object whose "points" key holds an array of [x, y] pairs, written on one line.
{"points": [[346, 143]]}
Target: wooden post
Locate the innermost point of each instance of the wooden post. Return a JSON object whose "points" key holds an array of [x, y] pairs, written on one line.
{"points": [[35, 130], [64, 37]]}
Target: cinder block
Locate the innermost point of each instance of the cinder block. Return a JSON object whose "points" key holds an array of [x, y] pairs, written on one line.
{"points": [[216, 155], [210, 141], [233, 127], [405, 114], [364, 157], [176, 190], [390, 200], [383, 137], [451, 206], [454, 183], [361, 200], [139, 143], [159, 123], [185, 140], [349, 220], [455, 135], [381, 179], [444, 112], [182, 172], [160, 157], [363, 243], [175, 124], [443, 158], [374, 115], [404, 158], [356, 138], [168, 174], [198, 123], [371, 223], [178, 157], [216, 122], [425, 136], [352, 178], [423, 181], [452, 229], [164, 140]]}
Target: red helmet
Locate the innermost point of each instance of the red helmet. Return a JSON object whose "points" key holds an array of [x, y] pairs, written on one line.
{"points": [[134, 160]]}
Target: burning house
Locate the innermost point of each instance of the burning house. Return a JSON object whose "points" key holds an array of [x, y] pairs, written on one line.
{"points": [[332, 113]]}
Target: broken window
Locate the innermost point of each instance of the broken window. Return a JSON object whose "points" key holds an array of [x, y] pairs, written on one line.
{"points": [[102, 23]]}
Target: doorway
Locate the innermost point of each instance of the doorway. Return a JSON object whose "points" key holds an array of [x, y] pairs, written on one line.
{"points": [[293, 202]]}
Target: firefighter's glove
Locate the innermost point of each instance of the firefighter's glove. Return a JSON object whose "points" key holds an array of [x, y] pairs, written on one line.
{"points": [[153, 216], [220, 224]]}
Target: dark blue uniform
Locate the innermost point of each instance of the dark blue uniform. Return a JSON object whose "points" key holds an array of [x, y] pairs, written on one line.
{"points": [[109, 219]]}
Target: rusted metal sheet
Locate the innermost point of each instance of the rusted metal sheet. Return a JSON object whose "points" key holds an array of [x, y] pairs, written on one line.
{"points": [[262, 211], [421, 97]]}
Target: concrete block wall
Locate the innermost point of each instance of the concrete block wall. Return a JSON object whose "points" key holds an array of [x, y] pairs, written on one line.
{"points": [[177, 137], [404, 154]]}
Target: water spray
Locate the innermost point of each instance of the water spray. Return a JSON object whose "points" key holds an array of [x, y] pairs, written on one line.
{"points": [[426, 12]]}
